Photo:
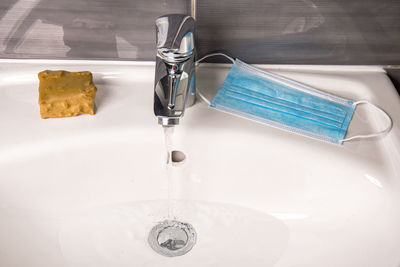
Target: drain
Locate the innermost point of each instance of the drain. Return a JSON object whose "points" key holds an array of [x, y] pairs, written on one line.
{"points": [[177, 156], [172, 238]]}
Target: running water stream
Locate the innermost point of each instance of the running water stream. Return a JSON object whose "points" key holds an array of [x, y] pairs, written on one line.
{"points": [[168, 136], [170, 237]]}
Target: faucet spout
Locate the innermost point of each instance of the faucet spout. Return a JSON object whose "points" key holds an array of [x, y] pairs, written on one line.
{"points": [[174, 85]]}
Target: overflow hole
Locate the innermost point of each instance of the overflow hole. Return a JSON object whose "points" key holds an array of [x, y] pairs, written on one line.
{"points": [[177, 156]]}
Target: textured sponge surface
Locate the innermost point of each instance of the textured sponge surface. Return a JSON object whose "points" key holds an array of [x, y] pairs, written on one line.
{"points": [[64, 94]]}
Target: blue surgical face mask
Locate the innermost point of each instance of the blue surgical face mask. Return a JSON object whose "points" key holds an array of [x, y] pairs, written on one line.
{"points": [[283, 103]]}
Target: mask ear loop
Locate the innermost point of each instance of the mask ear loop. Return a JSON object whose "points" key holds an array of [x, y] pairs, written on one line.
{"points": [[383, 132], [215, 54], [200, 60]]}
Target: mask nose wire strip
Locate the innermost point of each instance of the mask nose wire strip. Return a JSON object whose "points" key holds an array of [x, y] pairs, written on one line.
{"points": [[385, 131], [200, 60]]}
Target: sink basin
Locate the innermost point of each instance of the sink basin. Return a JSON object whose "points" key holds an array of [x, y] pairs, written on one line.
{"points": [[86, 190]]}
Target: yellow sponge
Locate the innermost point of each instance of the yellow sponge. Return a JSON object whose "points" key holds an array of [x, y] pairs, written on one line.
{"points": [[64, 94]]}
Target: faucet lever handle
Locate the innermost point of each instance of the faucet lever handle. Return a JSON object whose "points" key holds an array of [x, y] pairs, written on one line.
{"points": [[173, 81]]}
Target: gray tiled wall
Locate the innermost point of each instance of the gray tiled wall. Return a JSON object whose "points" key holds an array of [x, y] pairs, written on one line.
{"points": [[88, 29], [258, 31], [302, 31]]}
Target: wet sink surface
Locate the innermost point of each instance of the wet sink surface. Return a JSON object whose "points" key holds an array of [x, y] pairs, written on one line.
{"points": [[85, 191]]}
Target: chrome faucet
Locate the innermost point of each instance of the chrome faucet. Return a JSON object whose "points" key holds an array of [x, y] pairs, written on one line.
{"points": [[174, 85]]}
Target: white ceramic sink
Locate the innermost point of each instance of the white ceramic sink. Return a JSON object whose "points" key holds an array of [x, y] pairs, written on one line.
{"points": [[86, 190]]}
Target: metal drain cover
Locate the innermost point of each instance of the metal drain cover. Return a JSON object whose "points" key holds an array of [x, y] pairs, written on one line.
{"points": [[172, 238]]}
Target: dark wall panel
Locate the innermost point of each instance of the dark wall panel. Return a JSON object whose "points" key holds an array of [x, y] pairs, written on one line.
{"points": [[302, 31], [92, 29], [257, 31]]}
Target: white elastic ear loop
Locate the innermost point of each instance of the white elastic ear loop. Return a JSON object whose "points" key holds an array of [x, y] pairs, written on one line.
{"points": [[385, 131], [215, 54], [200, 60]]}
